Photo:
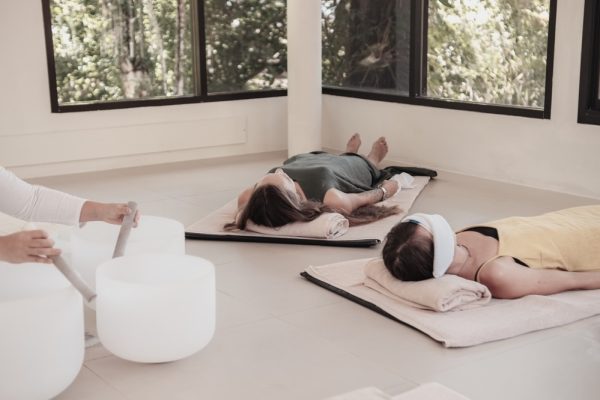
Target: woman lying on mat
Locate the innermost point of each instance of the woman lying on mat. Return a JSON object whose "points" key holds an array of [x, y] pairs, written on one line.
{"points": [[513, 257], [40, 204], [308, 185]]}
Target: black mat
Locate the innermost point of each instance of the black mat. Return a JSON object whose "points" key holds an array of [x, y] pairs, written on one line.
{"points": [[283, 240]]}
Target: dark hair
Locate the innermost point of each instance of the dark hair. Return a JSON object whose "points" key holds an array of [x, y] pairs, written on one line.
{"points": [[270, 206], [408, 256]]}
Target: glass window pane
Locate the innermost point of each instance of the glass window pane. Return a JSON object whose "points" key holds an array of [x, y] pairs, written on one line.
{"points": [[488, 51], [366, 44], [597, 45], [110, 50], [246, 46]]}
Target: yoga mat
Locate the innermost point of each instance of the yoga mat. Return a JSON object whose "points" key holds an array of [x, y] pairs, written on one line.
{"points": [[368, 235], [499, 319]]}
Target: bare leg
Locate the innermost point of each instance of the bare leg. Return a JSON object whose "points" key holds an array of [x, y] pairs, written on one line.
{"points": [[353, 144], [378, 151]]}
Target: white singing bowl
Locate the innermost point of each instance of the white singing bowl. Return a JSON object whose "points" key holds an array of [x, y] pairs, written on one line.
{"points": [[94, 243], [41, 331], [155, 307]]}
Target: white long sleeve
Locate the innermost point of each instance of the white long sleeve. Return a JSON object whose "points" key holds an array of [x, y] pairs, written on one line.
{"points": [[37, 203]]}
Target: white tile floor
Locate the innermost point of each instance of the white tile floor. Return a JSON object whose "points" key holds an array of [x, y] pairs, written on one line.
{"points": [[280, 337]]}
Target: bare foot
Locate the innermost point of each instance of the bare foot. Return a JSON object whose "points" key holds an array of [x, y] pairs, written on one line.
{"points": [[378, 151], [353, 144]]}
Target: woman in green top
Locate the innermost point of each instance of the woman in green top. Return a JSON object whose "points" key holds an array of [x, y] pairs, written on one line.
{"points": [[309, 184]]}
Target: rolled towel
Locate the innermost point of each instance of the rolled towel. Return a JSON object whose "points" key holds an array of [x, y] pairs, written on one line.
{"points": [[447, 293], [325, 226]]}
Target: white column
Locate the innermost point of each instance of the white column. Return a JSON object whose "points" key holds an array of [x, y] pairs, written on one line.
{"points": [[304, 75]]}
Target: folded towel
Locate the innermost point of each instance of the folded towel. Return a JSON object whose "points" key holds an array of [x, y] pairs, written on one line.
{"points": [[405, 181], [326, 225], [447, 293]]}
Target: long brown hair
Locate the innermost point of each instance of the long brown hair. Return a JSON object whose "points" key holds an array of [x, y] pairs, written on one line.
{"points": [[270, 206], [408, 256]]}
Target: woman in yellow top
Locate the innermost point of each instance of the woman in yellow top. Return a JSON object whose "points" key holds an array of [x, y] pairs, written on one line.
{"points": [[513, 257]]}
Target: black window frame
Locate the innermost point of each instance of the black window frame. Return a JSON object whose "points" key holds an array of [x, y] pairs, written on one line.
{"points": [[201, 95], [418, 74], [589, 104]]}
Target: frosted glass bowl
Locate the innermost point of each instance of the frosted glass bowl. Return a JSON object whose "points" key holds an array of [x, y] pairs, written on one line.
{"points": [[155, 307], [94, 243], [41, 333]]}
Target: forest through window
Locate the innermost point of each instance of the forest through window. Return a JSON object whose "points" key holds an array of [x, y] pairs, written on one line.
{"points": [[492, 52], [120, 50], [478, 51]]}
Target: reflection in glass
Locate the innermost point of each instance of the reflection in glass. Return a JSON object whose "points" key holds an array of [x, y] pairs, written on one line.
{"points": [[366, 44], [488, 51], [109, 50], [246, 46]]}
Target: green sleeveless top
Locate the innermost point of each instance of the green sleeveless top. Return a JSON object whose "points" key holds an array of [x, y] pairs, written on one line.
{"points": [[566, 239], [317, 172]]}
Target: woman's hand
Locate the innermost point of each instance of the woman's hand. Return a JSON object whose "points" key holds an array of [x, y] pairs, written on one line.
{"points": [[113, 213], [391, 186], [27, 246]]}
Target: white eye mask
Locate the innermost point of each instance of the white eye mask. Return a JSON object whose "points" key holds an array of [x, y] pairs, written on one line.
{"points": [[444, 240]]}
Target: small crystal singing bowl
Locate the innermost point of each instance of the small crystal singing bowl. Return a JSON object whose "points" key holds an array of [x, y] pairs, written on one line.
{"points": [[155, 307], [41, 339], [94, 243]]}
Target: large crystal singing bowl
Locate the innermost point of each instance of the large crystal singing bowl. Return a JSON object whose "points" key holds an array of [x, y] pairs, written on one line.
{"points": [[155, 307], [41, 332], [94, 243]]}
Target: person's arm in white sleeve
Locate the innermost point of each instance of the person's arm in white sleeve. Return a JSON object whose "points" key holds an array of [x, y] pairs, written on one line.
{"points": [[37, 203], [40, 204]]}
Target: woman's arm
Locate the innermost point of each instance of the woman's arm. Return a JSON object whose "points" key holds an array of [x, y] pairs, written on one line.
{"points": [[113, 213], [348, 202], [41, 204], [27, 246], [37, 203], [507, 279]]}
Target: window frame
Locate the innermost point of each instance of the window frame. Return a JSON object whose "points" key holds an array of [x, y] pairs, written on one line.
{"points": [[200, 74], [589, 104], [418, 74]]}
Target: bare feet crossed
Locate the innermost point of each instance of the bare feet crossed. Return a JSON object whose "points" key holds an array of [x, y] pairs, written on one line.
{"points": [[378, 151], [353, 144]]}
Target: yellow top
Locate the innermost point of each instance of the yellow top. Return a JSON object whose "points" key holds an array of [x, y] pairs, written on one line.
{"points": [[566, 239]]}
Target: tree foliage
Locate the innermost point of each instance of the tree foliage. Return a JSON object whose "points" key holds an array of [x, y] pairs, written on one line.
{"points": [[246, 44], [366, 45], [491, 51], [121, 49], [107, 50]]}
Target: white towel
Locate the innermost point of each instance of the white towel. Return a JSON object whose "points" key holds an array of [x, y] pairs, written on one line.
{"points": [[447, 293], [325, 226], [405, 181]]}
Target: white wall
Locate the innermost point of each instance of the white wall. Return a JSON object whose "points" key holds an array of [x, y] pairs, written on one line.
{"points": [[35, 142], [556, 154]]}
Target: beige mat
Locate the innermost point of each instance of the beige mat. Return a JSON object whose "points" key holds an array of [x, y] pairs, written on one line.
{"points": [[211, 226], [427, 391], [499, 319]]}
